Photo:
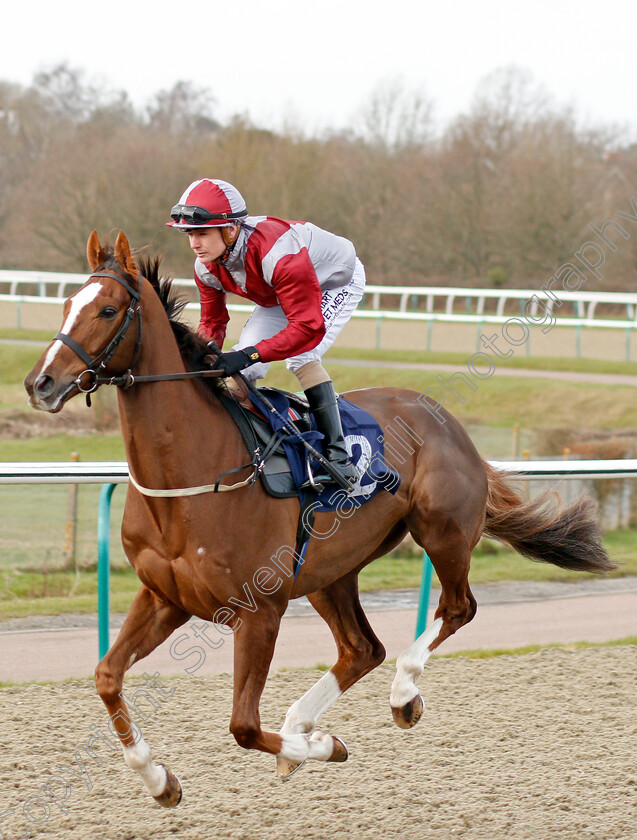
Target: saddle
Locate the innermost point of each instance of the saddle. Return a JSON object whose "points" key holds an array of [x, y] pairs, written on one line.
{"points": [[282, 463], [281, 460], [266, 444]]}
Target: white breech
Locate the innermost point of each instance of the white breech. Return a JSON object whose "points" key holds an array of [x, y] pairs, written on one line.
{"points": [[337, 306]]}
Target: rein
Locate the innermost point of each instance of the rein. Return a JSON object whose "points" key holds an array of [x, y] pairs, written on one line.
{"points": [[126, 380], [94, 365]]}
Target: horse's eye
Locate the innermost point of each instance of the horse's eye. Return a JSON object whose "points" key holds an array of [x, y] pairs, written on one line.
{"points": [[108, 312]]}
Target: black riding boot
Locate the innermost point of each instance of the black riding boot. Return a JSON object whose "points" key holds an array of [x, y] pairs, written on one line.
{"points": [[324, 407]]}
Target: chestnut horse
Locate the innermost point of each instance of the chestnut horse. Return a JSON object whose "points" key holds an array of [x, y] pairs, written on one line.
{"points": [[196, 553]]}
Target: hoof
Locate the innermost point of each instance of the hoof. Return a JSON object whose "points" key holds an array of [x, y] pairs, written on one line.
{"points": [[171, 795], [339, 750], [286, 768], [408, 715]]}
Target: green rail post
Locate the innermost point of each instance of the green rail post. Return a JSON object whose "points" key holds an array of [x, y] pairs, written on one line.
{"points": [[103, 566], [425, 592]]}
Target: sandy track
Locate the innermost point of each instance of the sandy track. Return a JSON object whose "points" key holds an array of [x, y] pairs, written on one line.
{"points": [[534, 746]]}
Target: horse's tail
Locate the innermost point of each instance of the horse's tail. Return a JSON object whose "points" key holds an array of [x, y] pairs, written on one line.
{"points": [[543, 529]]}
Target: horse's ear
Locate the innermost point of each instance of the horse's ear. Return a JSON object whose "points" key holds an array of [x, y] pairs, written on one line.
{"points": [[94, 251], [123, 254]]}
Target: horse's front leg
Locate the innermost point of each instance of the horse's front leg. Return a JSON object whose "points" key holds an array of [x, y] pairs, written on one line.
{"points": [[149, 622], [254, 642]]}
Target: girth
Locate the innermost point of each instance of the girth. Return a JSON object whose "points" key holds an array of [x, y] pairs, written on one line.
{"points": [[272, 463]]}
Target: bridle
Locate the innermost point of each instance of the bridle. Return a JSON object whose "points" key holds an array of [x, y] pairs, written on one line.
{"points": [[89, 380], [98, 363]]}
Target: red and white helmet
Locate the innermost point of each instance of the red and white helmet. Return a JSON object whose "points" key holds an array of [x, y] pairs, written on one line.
{"points": [[208, 203]]}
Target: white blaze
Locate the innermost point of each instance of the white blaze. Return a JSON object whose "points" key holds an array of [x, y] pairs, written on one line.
{"points": [[78, 302]]}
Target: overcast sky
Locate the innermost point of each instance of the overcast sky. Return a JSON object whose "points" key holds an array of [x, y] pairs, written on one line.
{"points": [[317, 63]]}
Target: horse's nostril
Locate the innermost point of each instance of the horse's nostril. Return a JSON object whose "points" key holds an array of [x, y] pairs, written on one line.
{"points": [[43, 385]]}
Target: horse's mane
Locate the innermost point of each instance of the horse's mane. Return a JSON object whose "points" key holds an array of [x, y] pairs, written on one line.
{"points": [[192, 347]]}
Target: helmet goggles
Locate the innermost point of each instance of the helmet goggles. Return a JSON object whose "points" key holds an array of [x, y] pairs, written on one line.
{"points": [[191, 214]]}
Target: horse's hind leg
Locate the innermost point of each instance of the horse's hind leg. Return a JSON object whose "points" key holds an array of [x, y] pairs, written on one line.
{"points": [[450, 553], [149, 622], [359, 651]]}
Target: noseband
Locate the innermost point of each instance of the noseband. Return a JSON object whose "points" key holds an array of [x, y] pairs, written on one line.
{"points": [[89, 380]]}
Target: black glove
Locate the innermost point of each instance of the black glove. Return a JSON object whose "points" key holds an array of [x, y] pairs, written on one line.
{"points": [[236, 360]]}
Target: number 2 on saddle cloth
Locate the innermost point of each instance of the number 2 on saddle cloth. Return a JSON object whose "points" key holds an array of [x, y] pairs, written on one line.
{"points": [[282, 460]]}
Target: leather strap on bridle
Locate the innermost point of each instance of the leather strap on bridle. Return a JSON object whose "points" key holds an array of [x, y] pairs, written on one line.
{"points": [[75, 347], [99, 362], [94, 365], [125, 380]]}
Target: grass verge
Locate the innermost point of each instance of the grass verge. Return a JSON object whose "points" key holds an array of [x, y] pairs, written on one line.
{"points": [[527, 649], [494, 563], [581, 365], [500, 401], [538, 363], [14, 334], [28, 592], [102, 447]]}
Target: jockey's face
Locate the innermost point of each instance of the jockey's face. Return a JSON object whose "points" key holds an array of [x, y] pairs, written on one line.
{"points": [[207, 243]]}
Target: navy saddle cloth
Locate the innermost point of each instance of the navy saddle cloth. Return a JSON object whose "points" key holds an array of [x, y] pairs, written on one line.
{"points": [[283, 460]]}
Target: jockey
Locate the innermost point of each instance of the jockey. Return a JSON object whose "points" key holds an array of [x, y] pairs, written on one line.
{"points": [[305, 282]]}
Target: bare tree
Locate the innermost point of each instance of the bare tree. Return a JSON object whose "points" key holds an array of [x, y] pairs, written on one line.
{"points": [[504, 195], [396, 117], [183, 108]]}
